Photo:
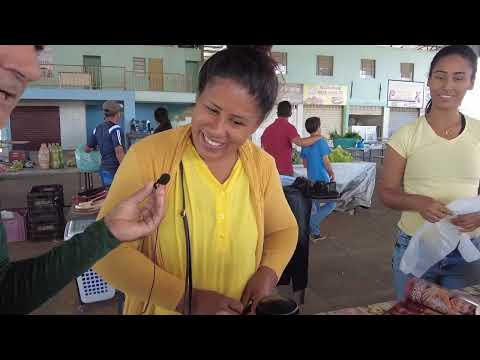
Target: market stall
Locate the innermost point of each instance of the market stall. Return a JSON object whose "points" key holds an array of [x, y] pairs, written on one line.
{"points": [[370, 152], [355, 183], [15, 184]]}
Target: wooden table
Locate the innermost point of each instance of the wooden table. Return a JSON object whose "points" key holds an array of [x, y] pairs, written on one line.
{"points": [[15, 184]]}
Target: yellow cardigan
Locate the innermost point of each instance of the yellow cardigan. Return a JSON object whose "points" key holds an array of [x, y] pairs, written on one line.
{"points": [[129, 267]]}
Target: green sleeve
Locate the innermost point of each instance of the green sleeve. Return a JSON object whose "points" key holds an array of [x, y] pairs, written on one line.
{"points": [[26, 284]]}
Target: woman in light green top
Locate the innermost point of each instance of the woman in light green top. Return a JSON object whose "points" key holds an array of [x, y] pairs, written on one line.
{"points": [[433, 161]]}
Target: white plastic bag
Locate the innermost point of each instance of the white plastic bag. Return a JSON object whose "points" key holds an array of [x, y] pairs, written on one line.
{"points": [[433, 242]]}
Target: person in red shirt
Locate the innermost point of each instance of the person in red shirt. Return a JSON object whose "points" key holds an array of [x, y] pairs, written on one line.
{"points": [[277, 139]]}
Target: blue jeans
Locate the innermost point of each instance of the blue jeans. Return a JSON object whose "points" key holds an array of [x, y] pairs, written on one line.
{"points": [[107, 177], [449, 273], [319, 213]]}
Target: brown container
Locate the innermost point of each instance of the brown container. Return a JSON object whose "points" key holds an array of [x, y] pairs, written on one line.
{"points": [[17, 155]]}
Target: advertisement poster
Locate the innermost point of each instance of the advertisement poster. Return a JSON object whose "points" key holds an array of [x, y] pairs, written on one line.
{"points": [[405, 94], [324, 94], [290, 92]]}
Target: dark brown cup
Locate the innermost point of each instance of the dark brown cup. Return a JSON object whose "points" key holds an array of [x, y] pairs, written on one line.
{"points": [[277, 305]]}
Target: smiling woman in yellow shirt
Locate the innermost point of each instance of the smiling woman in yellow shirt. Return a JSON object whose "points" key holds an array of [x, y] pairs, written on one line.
{"points": [[242, 231], [434, 161]]}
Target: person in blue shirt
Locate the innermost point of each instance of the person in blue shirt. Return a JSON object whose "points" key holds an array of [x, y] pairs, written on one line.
{"points": [[315, 159], [108, 136]]}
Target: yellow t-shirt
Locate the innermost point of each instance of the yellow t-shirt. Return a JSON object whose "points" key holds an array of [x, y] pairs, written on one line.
{"points": [[223, 237], [442, 169]]}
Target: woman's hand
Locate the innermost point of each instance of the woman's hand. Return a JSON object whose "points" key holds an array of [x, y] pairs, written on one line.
{"points": [[261, 284], [128, 222], [432, 210], [467, 222], [206, 302]]}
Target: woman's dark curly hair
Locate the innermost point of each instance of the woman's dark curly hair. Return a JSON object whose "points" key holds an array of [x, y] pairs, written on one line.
{"points": [[252, 66]]}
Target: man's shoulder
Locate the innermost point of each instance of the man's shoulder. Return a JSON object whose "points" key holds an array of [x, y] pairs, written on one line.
{"points": [[272, 126], [319, 145], [323, 141], [102, 125], [287, 125], [112, 127]]}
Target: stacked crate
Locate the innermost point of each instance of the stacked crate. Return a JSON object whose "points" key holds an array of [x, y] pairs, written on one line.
{"points": [[46, 220]]}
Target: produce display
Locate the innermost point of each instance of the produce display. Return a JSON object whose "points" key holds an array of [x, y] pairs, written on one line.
{"points": [[340, 155]]}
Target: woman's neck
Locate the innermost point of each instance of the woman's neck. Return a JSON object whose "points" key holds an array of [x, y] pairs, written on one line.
{"points": [[445, 117], [222, 168]]}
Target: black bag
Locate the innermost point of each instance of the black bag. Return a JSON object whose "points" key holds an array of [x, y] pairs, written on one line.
{"points": [[317, 189], [297, 269]]}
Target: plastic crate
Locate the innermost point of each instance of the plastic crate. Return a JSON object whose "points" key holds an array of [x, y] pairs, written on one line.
{"points": [[91, 287], [45, 196], [45, 231], [49, 215], [44, 200], [55, 188], [15, 228]]}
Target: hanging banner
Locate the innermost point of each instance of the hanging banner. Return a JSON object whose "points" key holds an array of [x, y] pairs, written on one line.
{"points": [[324, 94], [290, 92], [405, 94]]}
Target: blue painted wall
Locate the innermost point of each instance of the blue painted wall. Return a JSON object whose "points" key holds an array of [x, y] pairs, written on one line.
{"points": [[94, 116], [144, 111]]}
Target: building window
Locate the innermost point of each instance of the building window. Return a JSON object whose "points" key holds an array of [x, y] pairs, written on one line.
{"points": [[406, 71], [367, 69], [324, 65], [281, 59], [139, 65]]}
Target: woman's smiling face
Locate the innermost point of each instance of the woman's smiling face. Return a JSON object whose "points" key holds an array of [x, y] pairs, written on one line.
{"points": [[224, 117], [451, 78]]}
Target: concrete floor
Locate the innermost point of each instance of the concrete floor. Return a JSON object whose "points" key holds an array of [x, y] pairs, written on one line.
{"points": [[351, 268]]}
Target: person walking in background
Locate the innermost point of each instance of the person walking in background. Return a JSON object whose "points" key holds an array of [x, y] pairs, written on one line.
{"points": [[161, 117], [277, 139], [315, 159], [108, 137]]}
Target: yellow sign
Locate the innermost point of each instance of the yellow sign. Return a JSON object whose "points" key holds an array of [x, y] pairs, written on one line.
{"points": [[324, 94]]}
